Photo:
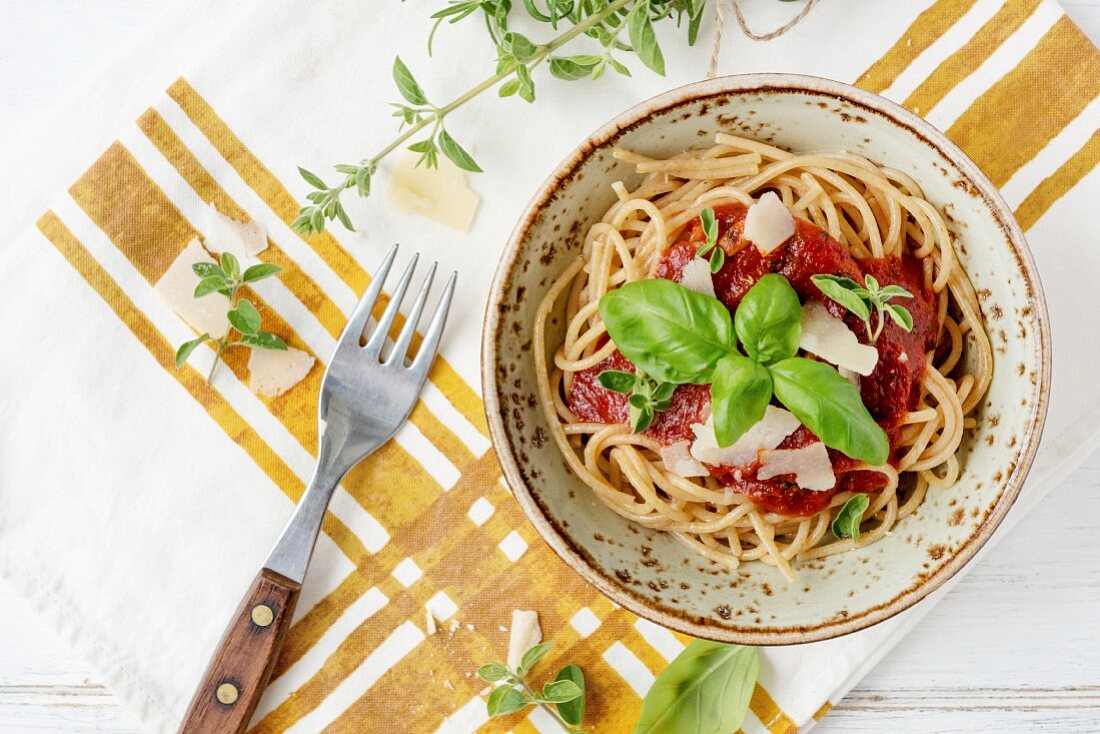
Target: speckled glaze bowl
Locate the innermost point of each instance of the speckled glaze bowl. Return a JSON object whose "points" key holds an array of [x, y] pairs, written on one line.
{"points": [[838, 594]]}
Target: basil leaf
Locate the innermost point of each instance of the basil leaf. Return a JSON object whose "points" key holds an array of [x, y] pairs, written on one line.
{"points": [[560, 691], [670, 332], [769, 320], [664, 392], [264, 340], [705, 690], [641, 415], [900, 316], [532, 656], [644, 39], [846, 523], [493, 672], [617, 380], [843, 291], [245, 318], [455, 152], [572, 711], [406, 85], [739, 396], [831, 408], [504, 700], [186, 348], [259, 272]]}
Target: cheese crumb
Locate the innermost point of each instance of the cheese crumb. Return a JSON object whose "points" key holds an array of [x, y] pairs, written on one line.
{"points": [[830, 338], [429, 621], [767, 433], [696, 276], [810, 466], [525, 635], [768, 223], [441, 194], [272, 372], [678, 460]]}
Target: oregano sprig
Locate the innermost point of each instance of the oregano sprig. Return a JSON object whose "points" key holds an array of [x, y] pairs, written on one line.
{"points": [[225, 277], [647, 396], [709, 250], [861, 300], [517, 57], [562, 698]]}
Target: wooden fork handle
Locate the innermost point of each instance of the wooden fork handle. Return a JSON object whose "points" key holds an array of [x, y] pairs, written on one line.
{"points": [[241, 666]]}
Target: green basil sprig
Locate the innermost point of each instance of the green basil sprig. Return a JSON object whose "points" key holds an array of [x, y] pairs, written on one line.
{"points": [[647, 396], [717, 256], [705, 690], [861, 300], [847, 521], [679, 336]]}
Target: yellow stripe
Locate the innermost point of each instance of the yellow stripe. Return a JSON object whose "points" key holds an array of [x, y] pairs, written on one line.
{"points": [[268, 187], [820, 713], [769, 713], [124, 202], [922, 33], [216, 407], [1009, 124], [973, 53], [1055, 186], [299, 283]]}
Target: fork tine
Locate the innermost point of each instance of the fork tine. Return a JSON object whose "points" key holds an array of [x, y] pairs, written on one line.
{"points": [[382, 328], [428, 348], [405, 337], [353, 331]]}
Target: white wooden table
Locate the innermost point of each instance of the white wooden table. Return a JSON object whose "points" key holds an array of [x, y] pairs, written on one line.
{"points": [[1015, 647]]}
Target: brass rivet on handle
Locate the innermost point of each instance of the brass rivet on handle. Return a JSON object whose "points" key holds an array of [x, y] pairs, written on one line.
{"points": [[227, 693], [262, 615]]}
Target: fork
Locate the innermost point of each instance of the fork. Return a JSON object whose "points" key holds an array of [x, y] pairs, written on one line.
{"points": [[366, 396]]}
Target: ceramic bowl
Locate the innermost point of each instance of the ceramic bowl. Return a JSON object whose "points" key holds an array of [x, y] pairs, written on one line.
{"points": [[838, 594]]}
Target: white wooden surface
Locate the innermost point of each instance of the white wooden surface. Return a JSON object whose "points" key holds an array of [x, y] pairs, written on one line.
{"points": [[1014, 648]]}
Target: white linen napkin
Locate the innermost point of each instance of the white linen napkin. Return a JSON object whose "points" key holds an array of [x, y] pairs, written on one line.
{"points": [[135, 505]]}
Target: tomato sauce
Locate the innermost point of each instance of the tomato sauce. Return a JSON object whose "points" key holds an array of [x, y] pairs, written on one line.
{"points": [[889, 392]]}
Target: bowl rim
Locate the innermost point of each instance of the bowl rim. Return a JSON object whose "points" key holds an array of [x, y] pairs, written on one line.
{"points": [[639, 114]]}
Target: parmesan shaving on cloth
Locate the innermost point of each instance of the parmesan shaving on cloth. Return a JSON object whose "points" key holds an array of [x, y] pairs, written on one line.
{"points": [[205, 315], [525, 635], [243, 240], [441, 194], [271, 372]]}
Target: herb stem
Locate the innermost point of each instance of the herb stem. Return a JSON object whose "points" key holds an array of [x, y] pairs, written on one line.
{"points": [[440, 112], [542, 704], [217, 359]]}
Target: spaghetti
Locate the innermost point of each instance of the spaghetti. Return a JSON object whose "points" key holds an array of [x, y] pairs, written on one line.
{"points": [[879, 221]]}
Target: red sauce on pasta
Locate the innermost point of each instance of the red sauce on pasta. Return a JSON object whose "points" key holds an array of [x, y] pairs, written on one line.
{"points": [[889, 392]]}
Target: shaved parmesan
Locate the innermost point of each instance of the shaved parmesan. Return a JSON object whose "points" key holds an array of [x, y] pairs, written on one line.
{"points": [[205, 315], [272, 372], [810, 466], [768, 223], [830, 338], [768, 433], [429, 622], [439, 193], [677, 459], [852, 377], [525, 635], [696, 276], [242, 240]]}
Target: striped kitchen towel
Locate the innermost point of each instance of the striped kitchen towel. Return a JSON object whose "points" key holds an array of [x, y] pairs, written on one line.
{"points": [[137, 501]]}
